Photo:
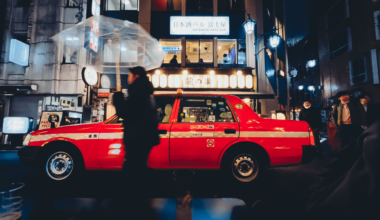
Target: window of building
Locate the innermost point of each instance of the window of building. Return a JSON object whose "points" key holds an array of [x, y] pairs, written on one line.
{"points": [[173, 48], [166, 5], [376, 15], [121, 5], [336, 14], [339, 45], [280, 28], [281, 67], [227, 51], [198, 110], [199, 51], [73, 3], [197, 5], [358, 71], [69, 55], [164, 107], [230, 5]]}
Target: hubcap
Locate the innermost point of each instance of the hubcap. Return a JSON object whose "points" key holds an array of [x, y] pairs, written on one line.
{"points": [[59, 165], [245, 167]]}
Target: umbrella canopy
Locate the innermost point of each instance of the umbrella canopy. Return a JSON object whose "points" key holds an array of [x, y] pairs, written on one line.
{"points": [[111, 46]]}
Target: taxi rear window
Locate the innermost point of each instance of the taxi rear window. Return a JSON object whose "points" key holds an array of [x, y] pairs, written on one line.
{"points": [[212, 109]]}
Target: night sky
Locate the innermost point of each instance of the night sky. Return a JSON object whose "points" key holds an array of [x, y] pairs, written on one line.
{"points": [[297, 20]]}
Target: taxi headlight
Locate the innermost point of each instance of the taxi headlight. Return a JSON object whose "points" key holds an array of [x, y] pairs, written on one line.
{"points": [[27, 140]]}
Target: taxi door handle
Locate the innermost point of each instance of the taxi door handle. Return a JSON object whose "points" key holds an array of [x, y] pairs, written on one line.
{"points": [[162, 131], [230, 131]]}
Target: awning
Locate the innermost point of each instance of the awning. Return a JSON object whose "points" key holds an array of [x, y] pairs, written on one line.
{"points": [[251, 95]]}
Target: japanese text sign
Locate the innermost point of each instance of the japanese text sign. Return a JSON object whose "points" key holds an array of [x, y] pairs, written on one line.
{"points": [[202, 25]]}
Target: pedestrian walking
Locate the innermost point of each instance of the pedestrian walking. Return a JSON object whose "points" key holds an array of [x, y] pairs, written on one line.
{"points": [[369, 112], [346, 117], [312, 115], [140, 135], [174, 60]]}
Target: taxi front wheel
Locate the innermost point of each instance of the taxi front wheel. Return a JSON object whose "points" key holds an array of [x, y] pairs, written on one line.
{"points": [[60, 165], [243, 167]]}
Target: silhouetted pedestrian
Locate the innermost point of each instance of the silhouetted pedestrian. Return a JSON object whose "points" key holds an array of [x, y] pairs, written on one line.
{"points": [[312, 116], [369, 112], [174, 60], [346, 117]]}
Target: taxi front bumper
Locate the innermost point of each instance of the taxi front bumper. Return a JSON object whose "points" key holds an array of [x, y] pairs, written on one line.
{"points": [[308, 153], [28, 154]]}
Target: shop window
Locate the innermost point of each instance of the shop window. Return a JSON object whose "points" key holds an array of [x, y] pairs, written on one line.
{"points": [[358, 71], [197, 5], [121, 5], [164, 107], [339, 45], [230, 5], [166, 5], [227, 51], [173, 48], [199, 51], [336, 14], [196, 110]]}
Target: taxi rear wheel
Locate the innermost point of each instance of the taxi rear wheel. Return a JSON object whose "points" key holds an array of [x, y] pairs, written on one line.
{"points": [[60, 164], [243, 167]]}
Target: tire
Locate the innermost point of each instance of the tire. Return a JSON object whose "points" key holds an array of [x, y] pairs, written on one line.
{"points": [[61, 164], [242, 166]]}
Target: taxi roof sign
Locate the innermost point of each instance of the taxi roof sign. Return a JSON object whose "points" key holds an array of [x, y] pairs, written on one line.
{"points": [[179, 91]]}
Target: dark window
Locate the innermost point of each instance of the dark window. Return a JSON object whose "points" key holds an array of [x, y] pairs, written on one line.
{"points": [[121, 5], [204, 109], [23, 3], [166, 5], [164, 107], [230, 5], [339, 45], [336, 14], [358, 71], [197, 5]]}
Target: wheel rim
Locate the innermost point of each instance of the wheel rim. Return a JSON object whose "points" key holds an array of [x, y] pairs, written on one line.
{"points": [[59, 165], [245, 167]]}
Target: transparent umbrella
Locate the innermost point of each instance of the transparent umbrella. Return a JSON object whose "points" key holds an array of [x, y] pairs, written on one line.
{"points": [[111, 46]]}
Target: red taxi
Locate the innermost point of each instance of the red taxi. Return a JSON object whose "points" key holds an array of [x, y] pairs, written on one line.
{"points": [[208, 132]]}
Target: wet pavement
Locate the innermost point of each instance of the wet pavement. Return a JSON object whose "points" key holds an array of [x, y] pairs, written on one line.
{"points": [[281, 191]]}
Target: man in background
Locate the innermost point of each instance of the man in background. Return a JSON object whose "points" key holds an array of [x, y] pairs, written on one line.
{"points": [[312, 116], [369, 112], [346, 116]]}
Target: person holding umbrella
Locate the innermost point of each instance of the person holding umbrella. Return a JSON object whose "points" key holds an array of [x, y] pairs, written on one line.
{"points": [[312, 116]]}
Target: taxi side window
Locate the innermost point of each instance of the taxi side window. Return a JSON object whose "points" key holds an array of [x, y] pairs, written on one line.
{"points": [[198, 110], [116, 120], [164, 107]]}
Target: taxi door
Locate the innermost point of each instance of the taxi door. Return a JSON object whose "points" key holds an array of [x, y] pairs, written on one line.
{"points": [[204, 127]]}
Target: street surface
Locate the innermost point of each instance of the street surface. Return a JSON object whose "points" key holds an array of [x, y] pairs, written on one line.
{"points": [[281, 191]]}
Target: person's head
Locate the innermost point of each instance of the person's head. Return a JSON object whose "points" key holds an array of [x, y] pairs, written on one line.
{"points": [[175, 57], [364, 98], [343, 96], [307, 104], [225, 55], [136, 72], [185, 56], [201, 60]]}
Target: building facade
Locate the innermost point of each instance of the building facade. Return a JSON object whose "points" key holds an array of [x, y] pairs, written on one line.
{"points": [[208, 49], [349, 43], [39, 75]]}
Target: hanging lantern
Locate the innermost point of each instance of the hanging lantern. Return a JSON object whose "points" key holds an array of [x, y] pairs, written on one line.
{"points": [[249, 25], [274, 40], [311, 63]]}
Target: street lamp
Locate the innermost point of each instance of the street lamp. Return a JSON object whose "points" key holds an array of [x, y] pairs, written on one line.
{"points": [[249, 25], [311, 63], [300, 87], [311, 88], [274, 40]]}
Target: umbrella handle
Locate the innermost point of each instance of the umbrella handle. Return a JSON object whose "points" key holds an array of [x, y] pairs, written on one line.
{"points": [[118, 79]]}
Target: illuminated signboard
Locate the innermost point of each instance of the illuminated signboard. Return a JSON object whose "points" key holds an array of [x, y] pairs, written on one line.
{"points": [[95, 10], [199, 25], [171, 48], [94, 42], [16, 125], [19, 53]]}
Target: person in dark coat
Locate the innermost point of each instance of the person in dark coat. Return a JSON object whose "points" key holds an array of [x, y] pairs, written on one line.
{"points": [[346, 116], [369, 112], [312, 116], [140, 136], [174, 60]]}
